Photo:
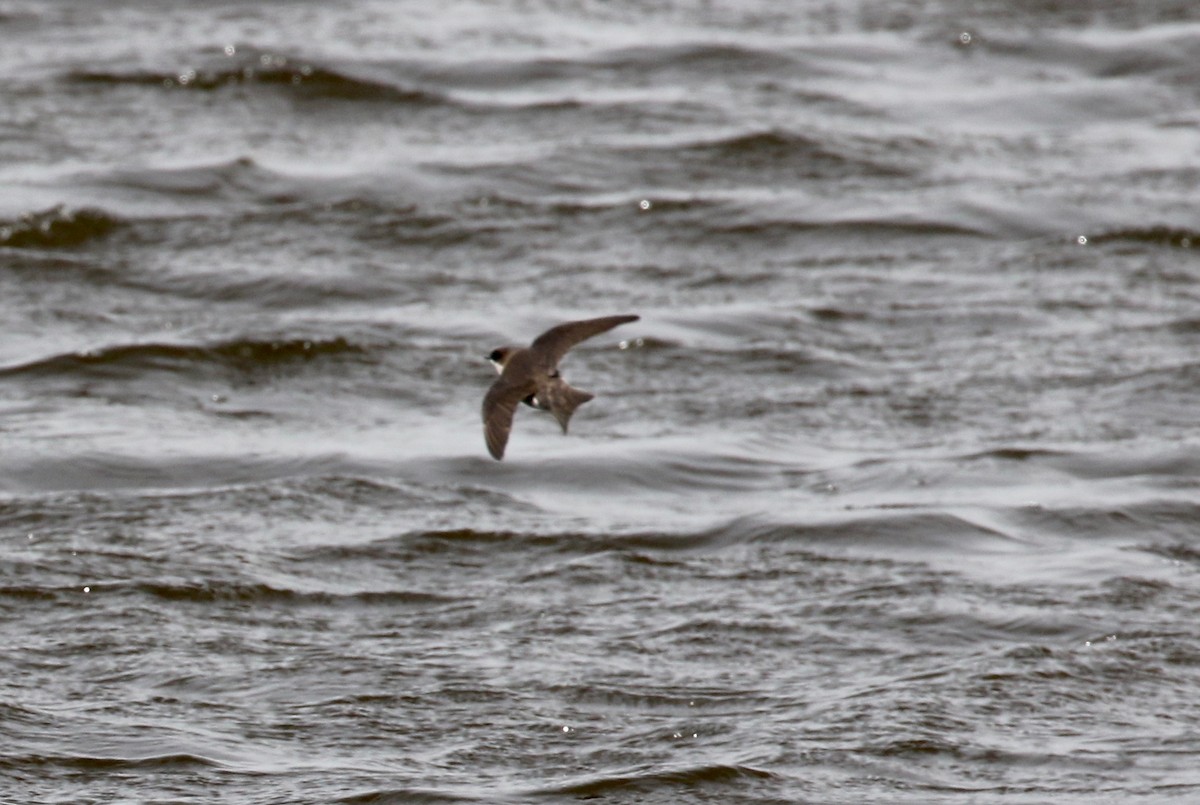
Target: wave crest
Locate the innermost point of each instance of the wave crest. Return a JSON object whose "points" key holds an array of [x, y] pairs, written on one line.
{"points": [[693, 777], [240, 355], [264, 68], [1156, 235], [57, 228]]}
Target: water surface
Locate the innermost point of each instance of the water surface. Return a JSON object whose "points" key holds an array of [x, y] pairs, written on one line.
{"points": [[891, 495]]}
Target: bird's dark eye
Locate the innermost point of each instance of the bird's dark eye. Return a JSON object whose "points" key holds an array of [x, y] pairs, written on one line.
{"points": [[495, 356]]}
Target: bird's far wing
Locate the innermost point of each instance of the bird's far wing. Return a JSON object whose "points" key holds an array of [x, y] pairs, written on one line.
{"points": [[499, 406], [551, 345]]}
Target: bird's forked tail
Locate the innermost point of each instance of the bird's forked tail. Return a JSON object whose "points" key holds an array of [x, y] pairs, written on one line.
{"points": [[562, 400]]}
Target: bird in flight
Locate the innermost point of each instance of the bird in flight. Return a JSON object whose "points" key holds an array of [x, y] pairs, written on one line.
{"points": [[530, 375]]}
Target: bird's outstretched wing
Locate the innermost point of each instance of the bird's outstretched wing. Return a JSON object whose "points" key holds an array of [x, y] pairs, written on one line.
{"points": [[551, 345], [499, 406]]}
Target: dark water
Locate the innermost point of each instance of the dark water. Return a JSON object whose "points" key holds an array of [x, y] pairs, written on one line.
{"points": [[892, 495]]}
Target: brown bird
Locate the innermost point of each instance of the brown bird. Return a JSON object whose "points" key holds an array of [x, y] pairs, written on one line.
{"points": [[530, 375]]}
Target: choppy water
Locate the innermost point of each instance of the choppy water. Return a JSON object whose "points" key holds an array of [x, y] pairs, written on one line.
{"points": [[892, 495]]}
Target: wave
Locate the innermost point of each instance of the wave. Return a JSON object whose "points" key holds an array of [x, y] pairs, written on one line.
{"points": [[771, 155], [252, 67], [39, 266], [241, 356], [1185, 326], [699, 58], [57, 228], [722, 214], [651, 782], [1176, 463], [890, 227], [404, 547], [28, 593], [218, 591], [267, 292], [575, 203], [193, 204], [1164, 51], [416, 796], [1015, 453], [235, 592], [173, 761], [889, 529], [233, 180], [774, 148], [698, 212], [705, 180], [49, 256], [425, 82], [696, 58], [1013, 533], [1153, 235]]}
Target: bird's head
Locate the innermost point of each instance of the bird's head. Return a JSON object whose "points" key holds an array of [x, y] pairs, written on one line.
{"points": [[499, 357]]}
